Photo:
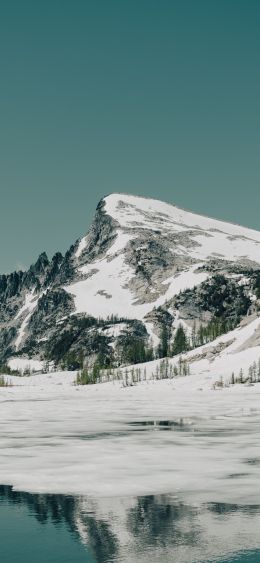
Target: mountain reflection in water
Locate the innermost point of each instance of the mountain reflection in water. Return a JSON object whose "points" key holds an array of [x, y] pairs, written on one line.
{"points": [[150, 528]]}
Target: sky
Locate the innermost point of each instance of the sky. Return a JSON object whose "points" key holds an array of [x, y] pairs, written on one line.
{"points": [[151, 97]]}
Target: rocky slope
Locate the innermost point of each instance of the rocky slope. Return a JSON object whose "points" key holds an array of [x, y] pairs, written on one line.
{"points": [[144, 265]]}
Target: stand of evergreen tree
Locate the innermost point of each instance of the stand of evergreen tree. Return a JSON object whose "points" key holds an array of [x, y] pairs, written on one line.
{"points": [[5, 370], [200, 335], [89, 376], [133, 350], [209, 332]]}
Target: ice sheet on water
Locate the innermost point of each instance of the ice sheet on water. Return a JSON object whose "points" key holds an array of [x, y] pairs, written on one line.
{"points": [[55, 437]]}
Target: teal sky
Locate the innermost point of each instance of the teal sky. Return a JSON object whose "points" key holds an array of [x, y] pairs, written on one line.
{"points": [[156, 98]]}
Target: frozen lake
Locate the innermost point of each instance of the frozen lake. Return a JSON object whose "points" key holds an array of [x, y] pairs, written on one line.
{"points": [[165, 470]]}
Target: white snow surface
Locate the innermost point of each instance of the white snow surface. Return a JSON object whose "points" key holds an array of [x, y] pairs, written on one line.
{"points": [[106, 293], [127, 210], [30, 304], [23, 364], [215, 237], [58, 437], [82, 245]]}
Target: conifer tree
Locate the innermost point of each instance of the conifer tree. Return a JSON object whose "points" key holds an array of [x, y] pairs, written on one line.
{"points": [[163, 348], [180, 343]]}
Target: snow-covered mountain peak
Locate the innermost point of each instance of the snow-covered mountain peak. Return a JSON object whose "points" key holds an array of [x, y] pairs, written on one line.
{"points": [[141, 252], [184, 233], [136, 262], [143, 212]]}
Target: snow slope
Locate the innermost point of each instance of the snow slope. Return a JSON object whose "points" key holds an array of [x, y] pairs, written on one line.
{"points": [[128, 210], [30, 304], [106, 294]]}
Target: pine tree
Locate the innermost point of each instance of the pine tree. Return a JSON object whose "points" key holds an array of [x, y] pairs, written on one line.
{"points": [[163, 348], [95, 372], [200, 340], [180, 343]]}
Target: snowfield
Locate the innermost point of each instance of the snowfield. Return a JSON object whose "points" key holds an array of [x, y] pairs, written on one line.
{"points": [[128, 210], [114, 298]]}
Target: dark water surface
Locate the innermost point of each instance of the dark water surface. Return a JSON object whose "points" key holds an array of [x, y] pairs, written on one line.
{"points": [[67, 529]]}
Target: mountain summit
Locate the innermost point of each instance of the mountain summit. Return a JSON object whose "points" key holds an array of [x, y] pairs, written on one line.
{"points": [[144, 266]]}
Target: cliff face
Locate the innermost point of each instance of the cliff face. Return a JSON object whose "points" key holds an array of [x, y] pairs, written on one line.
{"points": [[144, 264]]}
